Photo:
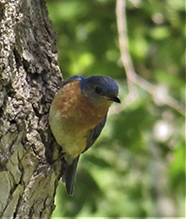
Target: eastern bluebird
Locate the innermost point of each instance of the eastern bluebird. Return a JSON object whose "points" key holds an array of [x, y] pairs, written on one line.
{"points": [[77, 116]]}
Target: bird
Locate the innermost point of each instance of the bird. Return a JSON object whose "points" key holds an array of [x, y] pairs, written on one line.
{"points": [[77, 116]]}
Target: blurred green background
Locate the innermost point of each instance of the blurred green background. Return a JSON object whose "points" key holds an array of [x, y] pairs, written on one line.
{"points": [[136, 168]]}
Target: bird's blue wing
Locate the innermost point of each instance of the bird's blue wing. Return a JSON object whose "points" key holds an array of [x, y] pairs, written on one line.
{"points": [[94, 133], [71, 79]]}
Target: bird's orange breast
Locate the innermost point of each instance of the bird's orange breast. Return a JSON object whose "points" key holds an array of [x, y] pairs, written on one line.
{"points": [[76, 110]]}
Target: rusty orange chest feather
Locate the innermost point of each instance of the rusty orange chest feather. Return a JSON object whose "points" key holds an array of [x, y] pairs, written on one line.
{"points": [[76, 109]]}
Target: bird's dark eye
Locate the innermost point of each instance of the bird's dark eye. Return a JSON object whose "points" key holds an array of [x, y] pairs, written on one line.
{"points": [[98, 90]]}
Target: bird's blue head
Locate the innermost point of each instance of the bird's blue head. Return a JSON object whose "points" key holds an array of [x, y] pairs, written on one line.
{"points": [[99, 89]]}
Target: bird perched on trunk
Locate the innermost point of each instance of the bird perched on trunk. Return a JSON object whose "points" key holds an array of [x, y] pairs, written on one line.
{"points": [[77, 116]]}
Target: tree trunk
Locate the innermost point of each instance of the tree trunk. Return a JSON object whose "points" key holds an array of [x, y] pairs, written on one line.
{"points": [[29, 78]]}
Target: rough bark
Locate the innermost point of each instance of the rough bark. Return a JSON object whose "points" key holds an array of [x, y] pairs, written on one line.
{"points": [[29, 78]]}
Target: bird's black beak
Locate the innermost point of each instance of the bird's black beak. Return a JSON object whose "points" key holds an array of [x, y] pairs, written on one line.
{"points": [[115, 99]]}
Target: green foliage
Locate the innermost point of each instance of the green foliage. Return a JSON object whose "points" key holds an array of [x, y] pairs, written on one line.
{"points": [[136, 168]]}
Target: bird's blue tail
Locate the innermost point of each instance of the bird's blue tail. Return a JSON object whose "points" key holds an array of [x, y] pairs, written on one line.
{"points": [[70, 175]]}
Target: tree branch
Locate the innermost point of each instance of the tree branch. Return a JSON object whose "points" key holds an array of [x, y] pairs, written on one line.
{"points": [[132, 77], [123, 42]]}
